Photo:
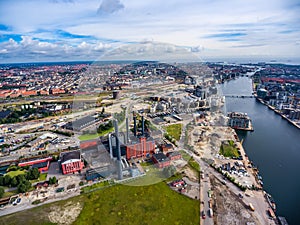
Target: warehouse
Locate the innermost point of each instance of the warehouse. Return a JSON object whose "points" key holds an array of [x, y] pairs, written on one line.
{"points": [[41, 163]]}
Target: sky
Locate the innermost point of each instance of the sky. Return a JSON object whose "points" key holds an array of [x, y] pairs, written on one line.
{"points": [[70, 30]]}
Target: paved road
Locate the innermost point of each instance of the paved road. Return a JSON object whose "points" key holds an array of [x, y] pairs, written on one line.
{"points": [[204, 188], [256, 198]]}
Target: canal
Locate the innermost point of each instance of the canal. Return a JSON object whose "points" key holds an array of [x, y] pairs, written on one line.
{"points": [[274, 147]]}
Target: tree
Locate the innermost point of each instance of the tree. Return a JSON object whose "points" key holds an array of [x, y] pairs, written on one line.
{"points": [[52, 180], [14, 182], [24, 186], [1, 181], [1, 192], [21, 178], [33, 174], [7, 180], [21, 188]]}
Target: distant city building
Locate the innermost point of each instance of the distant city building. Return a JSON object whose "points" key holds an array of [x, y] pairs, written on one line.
{"points": [[262, 93]]}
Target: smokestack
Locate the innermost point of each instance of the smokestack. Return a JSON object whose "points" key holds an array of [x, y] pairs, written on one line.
{"points": [[120, 175], [127, 130], [134, 125], [110, 146], [143, 125]]}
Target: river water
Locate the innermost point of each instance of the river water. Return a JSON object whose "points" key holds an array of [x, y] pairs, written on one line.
{"points": [[274, 147]]}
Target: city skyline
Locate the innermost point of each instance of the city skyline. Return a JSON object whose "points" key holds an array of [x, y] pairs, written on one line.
{"points": [[67, 30]]}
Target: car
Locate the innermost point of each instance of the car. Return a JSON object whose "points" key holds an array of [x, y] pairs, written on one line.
{"points": [[19, 200], [203, 215], [240, 195]]}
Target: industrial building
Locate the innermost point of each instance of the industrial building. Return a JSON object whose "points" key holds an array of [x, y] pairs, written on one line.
{"points": [[161, 160], [81, 123], [140, 144], [41, 163], [99, 162], [71, 162], [174, 155]]}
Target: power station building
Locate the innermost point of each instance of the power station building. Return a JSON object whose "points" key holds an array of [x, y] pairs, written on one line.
{"points": [[143, 148], [132, 146]]}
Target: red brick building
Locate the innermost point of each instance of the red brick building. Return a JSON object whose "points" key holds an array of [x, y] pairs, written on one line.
{"points": [[161, 160], [140, 149], [71, 162], [166, 147], [174, 155]]}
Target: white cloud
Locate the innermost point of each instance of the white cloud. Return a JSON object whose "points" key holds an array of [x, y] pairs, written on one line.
{"points": [[109, 6], [179, 22], [29, 50]]}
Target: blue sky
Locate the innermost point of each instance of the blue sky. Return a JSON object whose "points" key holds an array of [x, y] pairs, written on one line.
{"points": [[62, 30]]}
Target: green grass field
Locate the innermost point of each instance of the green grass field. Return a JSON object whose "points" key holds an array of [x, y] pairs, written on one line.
{"points": [[194, 165], [86, 137], [229, 150], [9, 193], [15, 173], [174, 130], [120, 204], [42, 177], [184, 155]]}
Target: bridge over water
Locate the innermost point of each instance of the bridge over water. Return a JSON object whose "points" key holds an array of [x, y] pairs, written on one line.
{"points": [[239, 96]]}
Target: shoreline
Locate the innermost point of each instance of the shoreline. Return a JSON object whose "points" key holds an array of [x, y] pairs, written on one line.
{"points": [[277, 112]]}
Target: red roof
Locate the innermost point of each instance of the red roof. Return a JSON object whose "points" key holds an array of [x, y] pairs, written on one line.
{"points": [[88, 144]]}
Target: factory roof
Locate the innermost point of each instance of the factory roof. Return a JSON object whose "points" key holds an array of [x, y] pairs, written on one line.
{"points": [[160, 157], [74, 155]]}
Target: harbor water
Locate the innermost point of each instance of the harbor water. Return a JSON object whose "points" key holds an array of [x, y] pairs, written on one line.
{"points": [[274, 147]]}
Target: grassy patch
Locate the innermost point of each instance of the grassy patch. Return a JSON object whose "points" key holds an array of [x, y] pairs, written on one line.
{"points": [[123, 204], [15, 173], [86, 137], [228, 149], [153, 176], [174, 130], [194, 165], [184, 155], [176, 176], [10, 193], [96, 186], [42, 177], [120, 204]]}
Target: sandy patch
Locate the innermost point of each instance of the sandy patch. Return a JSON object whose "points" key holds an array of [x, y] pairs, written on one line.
{"points": [[66, 214]]}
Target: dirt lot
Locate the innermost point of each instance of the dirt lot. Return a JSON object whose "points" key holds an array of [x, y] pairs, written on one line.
{"points": [[228, 208], [66, 214]]}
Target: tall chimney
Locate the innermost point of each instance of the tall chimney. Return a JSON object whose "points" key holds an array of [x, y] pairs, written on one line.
{"points": [[134, 125], [127, 130], [143, 125], [119, 165]]}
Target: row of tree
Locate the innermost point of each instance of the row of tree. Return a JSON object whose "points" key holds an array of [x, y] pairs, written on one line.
{"points": [[20, 181]]}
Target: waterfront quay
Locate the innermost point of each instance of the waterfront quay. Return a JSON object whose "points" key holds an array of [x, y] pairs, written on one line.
{"points": [[296, 123], [272, 147]]}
